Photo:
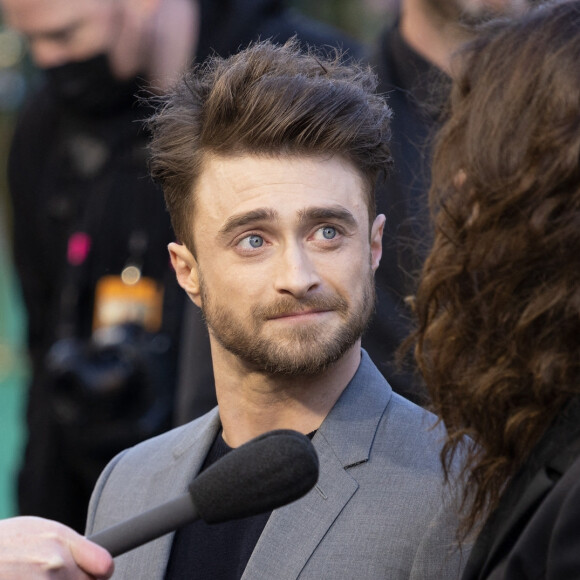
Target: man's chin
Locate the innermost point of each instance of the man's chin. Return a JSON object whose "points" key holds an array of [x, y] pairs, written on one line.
{"points": [[295, 358], [294, 368]]}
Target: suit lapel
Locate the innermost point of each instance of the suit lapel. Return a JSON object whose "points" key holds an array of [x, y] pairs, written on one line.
{"points": [[296, 530], [169, 480], [515, 521], [344, 439]]}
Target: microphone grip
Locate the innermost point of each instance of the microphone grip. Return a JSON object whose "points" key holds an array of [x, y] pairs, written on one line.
{"points": [[147, 526]]}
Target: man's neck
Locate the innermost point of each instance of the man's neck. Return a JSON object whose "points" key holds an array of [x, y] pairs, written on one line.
{"points": [[431, 35], [252, 403]]}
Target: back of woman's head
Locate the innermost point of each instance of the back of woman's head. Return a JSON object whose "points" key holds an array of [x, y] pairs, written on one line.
{"points": [[499, 301]]}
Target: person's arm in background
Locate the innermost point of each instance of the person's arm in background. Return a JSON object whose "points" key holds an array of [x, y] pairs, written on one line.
{"points": [[36, 548]]}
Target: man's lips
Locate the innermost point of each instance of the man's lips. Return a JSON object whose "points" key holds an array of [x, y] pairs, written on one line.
{"points": [[298, 314]]}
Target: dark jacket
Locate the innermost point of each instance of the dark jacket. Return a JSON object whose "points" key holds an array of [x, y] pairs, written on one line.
{"points": [[416, 90], [535, 534]]}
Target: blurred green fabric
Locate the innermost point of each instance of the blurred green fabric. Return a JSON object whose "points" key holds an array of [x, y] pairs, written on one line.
{"points": [[13, 374]]}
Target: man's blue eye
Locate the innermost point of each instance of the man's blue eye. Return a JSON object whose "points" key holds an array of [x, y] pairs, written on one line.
{"points": [[251, 242], [255, 241], [328, 232]]}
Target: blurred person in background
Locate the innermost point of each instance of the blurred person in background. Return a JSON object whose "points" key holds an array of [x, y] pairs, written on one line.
{"points": [[498, 305], [412, 61], [90, 227]]}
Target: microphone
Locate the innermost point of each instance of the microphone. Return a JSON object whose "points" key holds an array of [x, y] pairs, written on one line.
{"points": [[272, 470]]}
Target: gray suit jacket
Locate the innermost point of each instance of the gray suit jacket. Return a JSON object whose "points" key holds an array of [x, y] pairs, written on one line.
{"points": [[379, 509]]}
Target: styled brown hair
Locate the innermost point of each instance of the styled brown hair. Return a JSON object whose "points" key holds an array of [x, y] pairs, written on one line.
{"points": [[498, 305], [267, 100]]}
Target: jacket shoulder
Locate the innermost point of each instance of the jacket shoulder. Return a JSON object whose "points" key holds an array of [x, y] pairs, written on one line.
{"points": [[147, 474]]}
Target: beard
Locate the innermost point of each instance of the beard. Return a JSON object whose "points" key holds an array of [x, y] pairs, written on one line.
{"points": [[305, 350]]}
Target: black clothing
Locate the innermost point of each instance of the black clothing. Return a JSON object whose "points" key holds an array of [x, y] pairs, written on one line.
{"points": [[77, 175], [219, 551], [416, 91], [90, 87], [73, 174], [534, 532]]}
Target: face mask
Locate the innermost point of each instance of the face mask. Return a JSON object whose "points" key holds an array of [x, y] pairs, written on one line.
{"points": [[90, 86]]}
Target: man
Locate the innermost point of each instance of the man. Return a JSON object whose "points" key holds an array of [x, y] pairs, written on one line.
{"points": [[413, 60], [36, 549], [91, 229], [269, 161]]}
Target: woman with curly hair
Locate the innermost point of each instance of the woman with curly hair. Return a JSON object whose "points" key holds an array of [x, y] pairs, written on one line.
{"points": [[498, 305]]}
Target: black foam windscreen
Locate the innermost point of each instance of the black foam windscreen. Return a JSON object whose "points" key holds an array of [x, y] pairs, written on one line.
{"points": [[271, 470]]}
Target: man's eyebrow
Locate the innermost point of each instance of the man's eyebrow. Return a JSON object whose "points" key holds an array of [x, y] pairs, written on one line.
{"points": [[328, 213], [240, 220]]}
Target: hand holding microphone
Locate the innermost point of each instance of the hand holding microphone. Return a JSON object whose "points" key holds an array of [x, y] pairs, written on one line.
{"points": [[268, 472], [37, 549]]}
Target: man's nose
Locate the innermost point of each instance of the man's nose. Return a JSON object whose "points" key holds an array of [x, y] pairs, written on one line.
{"points": [[296, 273]]}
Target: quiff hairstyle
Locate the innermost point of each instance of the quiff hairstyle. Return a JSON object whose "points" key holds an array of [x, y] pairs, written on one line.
{"points": [[498, 305], [267, 100]]}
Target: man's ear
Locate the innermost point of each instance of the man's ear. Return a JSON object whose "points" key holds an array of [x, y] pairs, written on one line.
{"points": [[186, 270], [377, 241]]}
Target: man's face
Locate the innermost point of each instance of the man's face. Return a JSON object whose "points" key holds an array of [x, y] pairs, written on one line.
{"points": [[62, 31], [285, 257], [474, 12]]}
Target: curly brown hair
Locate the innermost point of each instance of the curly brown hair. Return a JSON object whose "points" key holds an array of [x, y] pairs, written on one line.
{"points": [[498, 304], [268, 100]]}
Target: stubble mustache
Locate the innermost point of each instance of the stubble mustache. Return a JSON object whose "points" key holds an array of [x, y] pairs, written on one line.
{"points": [[288, 306]]}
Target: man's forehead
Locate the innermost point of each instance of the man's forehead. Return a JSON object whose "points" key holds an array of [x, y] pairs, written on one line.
{"points": [[242, 189], [240, 173]]}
